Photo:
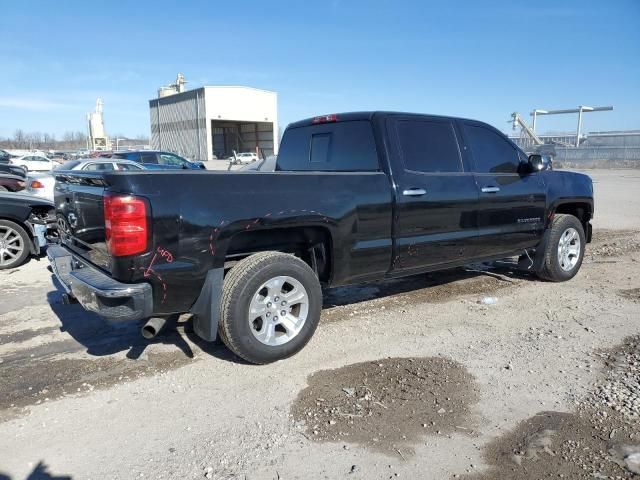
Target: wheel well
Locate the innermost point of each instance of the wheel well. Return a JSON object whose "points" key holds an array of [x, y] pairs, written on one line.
{"points": [[311, 244], [580, 210]]}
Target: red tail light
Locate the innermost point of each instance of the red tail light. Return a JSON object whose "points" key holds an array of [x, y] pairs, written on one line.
{"points": [[326, 118], [37, 184], [126, 227]]}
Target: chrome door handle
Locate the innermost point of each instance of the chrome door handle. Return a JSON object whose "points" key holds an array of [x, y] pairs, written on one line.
{"points": [[490, 189], [414, 192]]}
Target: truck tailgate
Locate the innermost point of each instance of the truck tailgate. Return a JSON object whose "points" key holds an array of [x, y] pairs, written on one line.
{"points": [[80, 211]]}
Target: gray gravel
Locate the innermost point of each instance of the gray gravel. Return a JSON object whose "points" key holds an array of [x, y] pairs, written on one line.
{"points": [[104, 404]]}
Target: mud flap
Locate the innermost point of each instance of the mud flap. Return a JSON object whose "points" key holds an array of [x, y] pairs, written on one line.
{"points": [[538, 261], [206, 310]]}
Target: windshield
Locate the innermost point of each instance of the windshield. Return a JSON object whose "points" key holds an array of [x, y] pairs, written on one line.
{"points": [[69, 165]]}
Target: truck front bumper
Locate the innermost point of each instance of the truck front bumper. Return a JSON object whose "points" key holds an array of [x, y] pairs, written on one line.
{"points": [[98, 292]]}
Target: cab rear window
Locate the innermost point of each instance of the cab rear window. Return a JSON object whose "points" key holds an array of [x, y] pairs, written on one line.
{"points": [[334, 147]]}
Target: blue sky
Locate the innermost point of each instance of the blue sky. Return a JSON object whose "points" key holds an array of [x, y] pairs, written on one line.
{"points": [[479, 59]]}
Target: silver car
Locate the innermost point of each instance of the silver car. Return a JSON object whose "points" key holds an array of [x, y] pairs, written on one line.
{"points": [[42, 184], [265, 165]]}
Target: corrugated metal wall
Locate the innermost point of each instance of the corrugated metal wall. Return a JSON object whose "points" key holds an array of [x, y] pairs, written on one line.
{"points": [[257, 134], [178, 124]]}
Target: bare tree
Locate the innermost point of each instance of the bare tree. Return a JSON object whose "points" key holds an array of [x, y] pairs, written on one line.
{"points": [[19, 140]]}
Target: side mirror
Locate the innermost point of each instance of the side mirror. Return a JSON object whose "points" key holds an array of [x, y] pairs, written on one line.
{"points": [[536, 163]]}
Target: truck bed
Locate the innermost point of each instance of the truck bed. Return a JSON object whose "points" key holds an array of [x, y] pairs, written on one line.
{"points": [[196, 214]]}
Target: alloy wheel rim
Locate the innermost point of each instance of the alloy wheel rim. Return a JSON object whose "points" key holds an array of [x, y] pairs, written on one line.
{"points": [[569, 249], [278, 310], [11, 245]]}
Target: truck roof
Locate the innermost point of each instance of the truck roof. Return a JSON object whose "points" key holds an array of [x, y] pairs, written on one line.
{"points": [[365, 115]]}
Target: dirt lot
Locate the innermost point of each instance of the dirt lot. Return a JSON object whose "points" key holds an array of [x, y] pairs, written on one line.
{"points": [[414, 378]]}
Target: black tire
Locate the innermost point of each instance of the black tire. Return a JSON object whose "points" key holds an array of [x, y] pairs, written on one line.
{"points": [[242, 283], [26, 246], [552, 270]]}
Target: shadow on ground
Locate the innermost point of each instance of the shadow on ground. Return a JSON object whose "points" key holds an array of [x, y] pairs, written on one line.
{"points": [[102, 338], [436, 287], [40, 472]]}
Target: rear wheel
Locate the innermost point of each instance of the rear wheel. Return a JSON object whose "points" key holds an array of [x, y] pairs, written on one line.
{"points": [[270, 307], [565, 249], [14, 245]]}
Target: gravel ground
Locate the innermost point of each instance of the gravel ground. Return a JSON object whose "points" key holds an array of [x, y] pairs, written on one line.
{"points": [[600, 438], [387, 405], [542, 382]]}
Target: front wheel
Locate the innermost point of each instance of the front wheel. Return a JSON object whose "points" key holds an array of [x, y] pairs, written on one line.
{"points": [[564, 250], [270, 307]]}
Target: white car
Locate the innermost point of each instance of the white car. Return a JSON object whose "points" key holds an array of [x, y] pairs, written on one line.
{"points": [[43, 184], [246, 157], [34, 163]]}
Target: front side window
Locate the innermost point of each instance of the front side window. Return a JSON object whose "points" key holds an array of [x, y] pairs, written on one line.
{"points": [[338, 147], [428, 146], [491, 152], [171, 160]]}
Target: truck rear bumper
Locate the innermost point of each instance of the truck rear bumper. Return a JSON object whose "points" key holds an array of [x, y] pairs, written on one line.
{"points": [[98, 292]]}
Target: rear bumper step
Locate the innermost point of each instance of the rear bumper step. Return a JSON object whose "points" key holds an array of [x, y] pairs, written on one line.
{"points": [[98, 292]]}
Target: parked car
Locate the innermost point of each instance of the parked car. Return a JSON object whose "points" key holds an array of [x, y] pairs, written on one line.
{"points": [[11, 183], [356, 197], [13, 170], [58, 157], [246, 157], [159, 160], [100, 154], [26, 225], [4, 157], [34, 163], [265, 165], [42, 184]]}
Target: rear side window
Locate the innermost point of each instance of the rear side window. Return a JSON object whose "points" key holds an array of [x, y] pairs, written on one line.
{"points": [[428, 146], [99, 166], [336, 147], [128, 166], [492, 153], [133, 156]]}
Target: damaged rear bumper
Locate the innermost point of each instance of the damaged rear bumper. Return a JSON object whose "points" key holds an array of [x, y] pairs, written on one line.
{"points": [[96, 291]]}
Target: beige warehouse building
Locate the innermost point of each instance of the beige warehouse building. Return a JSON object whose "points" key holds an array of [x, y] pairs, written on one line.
{"points": [[213, 122]]}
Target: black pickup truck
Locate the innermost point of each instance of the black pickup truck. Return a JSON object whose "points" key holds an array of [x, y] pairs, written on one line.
{"points": [[356, 197]]}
